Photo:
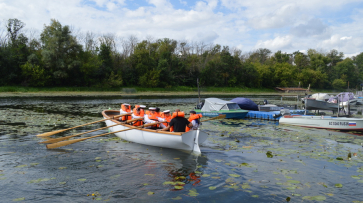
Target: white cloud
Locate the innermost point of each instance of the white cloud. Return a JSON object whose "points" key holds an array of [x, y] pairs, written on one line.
{"points": [[346, 38], [278, 43], [277, 19], [278, 25]]}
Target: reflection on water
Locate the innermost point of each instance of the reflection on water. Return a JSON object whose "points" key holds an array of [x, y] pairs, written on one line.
{"points": [[242, 160]]}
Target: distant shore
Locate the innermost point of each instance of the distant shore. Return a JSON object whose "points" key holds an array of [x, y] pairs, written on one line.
{"points": [[149, 93]]}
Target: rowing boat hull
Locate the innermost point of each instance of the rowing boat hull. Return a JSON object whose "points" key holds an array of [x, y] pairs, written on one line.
{"points": [[188, 141], [324, 122]]}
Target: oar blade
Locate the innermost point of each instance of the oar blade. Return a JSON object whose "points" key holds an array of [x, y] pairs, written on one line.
{"points": [[217, 117], [63, 143], [54, 140], [50, 133]]}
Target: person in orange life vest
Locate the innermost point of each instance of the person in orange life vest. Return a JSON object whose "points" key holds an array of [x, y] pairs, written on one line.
{"points": [[125, 108], [138, 112], [194, 118], [151, 117], [178, 122], [165, 116]]}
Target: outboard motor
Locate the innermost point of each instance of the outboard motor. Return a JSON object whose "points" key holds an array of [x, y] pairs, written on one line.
{"points": [[200, 105], [283, 112]]}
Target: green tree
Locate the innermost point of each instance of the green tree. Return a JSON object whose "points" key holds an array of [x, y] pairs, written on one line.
{"points": [[60, 53]]}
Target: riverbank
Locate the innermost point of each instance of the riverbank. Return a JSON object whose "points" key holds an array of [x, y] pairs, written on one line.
{"points": [[137, 91]]}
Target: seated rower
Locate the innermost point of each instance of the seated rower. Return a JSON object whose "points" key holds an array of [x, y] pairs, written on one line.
{"points": [[178, 122], [151, 117], [125, 108], [165, 116], [194, 118], [138, 112]]}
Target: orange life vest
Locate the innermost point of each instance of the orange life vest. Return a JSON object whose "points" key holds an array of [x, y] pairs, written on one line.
{"points": [[167, 118], [128, 110], [191, 118], [141, 114], [154, 117], [176, 114]]}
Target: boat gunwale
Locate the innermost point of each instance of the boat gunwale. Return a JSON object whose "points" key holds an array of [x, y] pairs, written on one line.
{"points": [[104, 114]]}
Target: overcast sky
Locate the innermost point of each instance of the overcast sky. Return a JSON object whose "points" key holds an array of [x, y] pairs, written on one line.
{"points": [[285, 25]]}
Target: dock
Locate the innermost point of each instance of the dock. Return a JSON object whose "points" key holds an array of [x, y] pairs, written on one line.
{"points": [[263, 115]]}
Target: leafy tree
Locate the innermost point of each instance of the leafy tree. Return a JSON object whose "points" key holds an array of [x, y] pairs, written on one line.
{"points": [[60, 53], [338, 84]]}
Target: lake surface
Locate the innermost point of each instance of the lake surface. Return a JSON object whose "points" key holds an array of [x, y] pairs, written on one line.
{"points": [[242, 160]]}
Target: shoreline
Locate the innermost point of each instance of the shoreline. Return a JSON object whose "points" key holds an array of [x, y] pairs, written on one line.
{"points": [[151, 93]]}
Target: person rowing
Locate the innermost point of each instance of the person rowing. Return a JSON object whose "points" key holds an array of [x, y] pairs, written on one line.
{"points": [[125, 108], [138, 112], [151, 117], [194, 118], [165, 116], [178, 122]]}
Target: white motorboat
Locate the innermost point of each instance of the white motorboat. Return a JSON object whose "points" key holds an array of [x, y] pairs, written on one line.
{"points": [[325, 122], [188, 141]]}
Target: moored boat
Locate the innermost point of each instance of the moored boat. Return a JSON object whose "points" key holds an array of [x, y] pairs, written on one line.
{"points": [[213, 107], [188, 141], [325, 122]]}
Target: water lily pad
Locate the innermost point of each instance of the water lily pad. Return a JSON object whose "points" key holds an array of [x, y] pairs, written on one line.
{"points": [[178, 187], [216, 177], [235, 175], [21, 166], [193, 193], [151, 193], [205, 175], [19, 199], [338, 185], [149, 174], [288, 177], [355, 177], [82, 179], [168, 183], [61, 168], [62, 183], [176, 198], [212, 187], [255, 196]]}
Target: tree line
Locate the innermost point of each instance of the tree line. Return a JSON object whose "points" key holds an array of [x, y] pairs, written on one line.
{"points": [[61, 56]]}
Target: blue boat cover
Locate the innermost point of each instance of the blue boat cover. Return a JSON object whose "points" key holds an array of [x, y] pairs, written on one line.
{"points": [[245, 103]]}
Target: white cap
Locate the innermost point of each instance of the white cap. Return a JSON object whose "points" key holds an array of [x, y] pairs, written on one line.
{"points": [[152, 108], [166, 111], [142, 106], [127, 104]]}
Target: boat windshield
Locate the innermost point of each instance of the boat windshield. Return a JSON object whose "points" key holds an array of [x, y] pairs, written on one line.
{"points": [[233, 106]]}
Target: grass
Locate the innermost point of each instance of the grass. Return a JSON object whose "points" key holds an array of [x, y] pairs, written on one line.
{"points": [[133, 89]]}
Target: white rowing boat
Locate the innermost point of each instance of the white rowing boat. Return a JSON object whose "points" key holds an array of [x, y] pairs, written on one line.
{"points": [[325, 122], [188, 141]]}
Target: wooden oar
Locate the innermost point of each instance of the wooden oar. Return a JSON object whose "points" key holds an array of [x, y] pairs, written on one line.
{"points": [[67, 137], [214, 118], [59, 131], [68, 142]]}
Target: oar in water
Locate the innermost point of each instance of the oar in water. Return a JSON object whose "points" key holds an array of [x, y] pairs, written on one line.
{"points": [[214, 118], [68, 142], [67, 137], [59, 131]]}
